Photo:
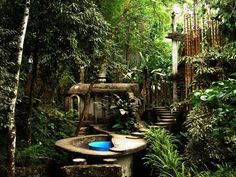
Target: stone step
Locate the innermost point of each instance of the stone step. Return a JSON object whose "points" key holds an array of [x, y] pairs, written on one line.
{"points": [[158, 126], [166, 120], [164, 123], [138, 134], [166, 111], [167, 117], [143, 130], [161, 108]]}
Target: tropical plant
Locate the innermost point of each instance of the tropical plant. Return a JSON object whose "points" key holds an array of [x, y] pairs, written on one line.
{"points": [[81, 31], [222, 170], [162, 155], [211, 124], [48, 126], [141, 28], [112, 10], [164, 159], [123, 111], [225, 12], [213, 64], [7, 45]]}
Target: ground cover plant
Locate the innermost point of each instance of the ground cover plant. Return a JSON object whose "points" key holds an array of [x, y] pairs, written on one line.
{"points": [[165, 160]]}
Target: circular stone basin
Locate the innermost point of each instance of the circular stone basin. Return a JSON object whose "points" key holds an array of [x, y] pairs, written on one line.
{"points": [[122, 145], [100, 145]]}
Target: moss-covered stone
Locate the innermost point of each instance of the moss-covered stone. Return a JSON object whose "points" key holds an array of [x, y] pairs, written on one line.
{"points": [[92, 171], [34, 171]]}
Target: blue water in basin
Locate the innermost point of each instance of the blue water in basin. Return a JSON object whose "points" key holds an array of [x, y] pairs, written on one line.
{"points": [[100, 145]]}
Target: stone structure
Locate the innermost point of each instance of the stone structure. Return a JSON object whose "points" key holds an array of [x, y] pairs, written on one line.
{"points": [[34, 171], [88, 99], [97, 113], [124, 148], [110, 170]]}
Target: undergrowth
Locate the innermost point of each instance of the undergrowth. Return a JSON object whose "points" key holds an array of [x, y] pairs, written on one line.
{"points": [[165, 161]]}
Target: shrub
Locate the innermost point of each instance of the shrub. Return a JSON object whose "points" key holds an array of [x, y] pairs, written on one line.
{"points": [[162, 155], [211, 124], [48, 126], [165, 161], [123, 110]]}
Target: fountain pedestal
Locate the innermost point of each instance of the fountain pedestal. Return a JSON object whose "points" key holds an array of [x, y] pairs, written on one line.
{"points": [[123, 150]]}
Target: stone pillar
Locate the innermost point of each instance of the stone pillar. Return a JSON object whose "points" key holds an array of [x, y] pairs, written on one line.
{"points": [[174, 58], [126, 163], [82, 74]]}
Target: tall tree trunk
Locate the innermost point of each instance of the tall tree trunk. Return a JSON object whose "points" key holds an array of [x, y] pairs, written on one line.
{"points": [[32, 83], [127, 45], [11, 113]]}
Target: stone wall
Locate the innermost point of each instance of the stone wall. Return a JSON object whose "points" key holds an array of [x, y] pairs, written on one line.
{"points": [[34, 171], [105, 170]]}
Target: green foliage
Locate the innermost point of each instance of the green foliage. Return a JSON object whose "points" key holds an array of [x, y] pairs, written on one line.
{"points": [[123, 112], [226, 13], [211, 124], [221, 95], [151, 69], [139, 27], [52, 124], [81, 28], [142, 28], [5, 90], [7, 45], [213, 64], [162, 155], [38, 154], [61, 34], [81, 32], [223, 170], [164, 159], [112, 9], [48, 126]]}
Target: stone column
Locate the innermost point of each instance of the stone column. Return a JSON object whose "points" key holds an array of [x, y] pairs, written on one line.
{"points": [[174, 58]]}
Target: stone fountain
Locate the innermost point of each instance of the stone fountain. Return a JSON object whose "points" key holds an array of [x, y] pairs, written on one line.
{"points": [[124, 147]]}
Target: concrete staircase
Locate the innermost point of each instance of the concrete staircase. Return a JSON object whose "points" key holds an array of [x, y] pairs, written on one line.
{"points": [[165, 117]]}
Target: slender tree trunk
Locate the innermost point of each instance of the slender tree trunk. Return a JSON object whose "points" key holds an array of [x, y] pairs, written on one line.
{"points": [[127, 45], [11, 113], [32, 83], [86, 106]]}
